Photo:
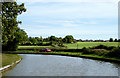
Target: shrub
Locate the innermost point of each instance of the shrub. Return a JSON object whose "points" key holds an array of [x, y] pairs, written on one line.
{"points": [[100, 52], [103, 47], [114, 52], [88, 51]]}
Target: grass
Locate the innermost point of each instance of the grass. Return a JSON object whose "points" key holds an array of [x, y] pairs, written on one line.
{"points": [[8, 59], [33, 47], [79, 54], [89, 44], [38, 47]]}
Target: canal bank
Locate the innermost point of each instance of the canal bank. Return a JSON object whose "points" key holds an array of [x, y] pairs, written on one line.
{"points": [[94, 57], [9, 61]]}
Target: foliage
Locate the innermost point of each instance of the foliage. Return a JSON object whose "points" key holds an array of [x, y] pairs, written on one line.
{"points": [[88, 51], [12, 35], [115, 40], [104, 47], [68, 39], [111, 40], [53, 38], [114, 52]]}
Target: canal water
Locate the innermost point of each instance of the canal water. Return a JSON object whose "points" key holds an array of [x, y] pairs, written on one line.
{"points": [[52, 65]]}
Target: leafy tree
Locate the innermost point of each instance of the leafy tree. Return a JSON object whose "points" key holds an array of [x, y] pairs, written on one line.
{"points": [[68, 39], [115, 40], [21, 36], [11, 34], [41, 39], [111, 40], [33, 40], [53, 38], [118, 40]]}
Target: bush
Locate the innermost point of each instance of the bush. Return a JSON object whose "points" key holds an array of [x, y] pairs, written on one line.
{"points": [[100, 52], [103, 47], [114, 52], [88, 51]]}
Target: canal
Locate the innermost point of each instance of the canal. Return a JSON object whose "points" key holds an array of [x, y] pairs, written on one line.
{"points": [[52, 65]]}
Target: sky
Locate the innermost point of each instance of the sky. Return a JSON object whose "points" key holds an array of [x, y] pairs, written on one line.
{"points": [[84, 19]]}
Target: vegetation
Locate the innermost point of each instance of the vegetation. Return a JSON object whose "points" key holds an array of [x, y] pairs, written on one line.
{"points": [[114, 52], [68, 39], [12, 35], [8, 59], [99, 52], [111, 40]]}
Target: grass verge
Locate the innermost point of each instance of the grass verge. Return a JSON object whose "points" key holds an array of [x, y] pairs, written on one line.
{"points": [[8, 59], [89, 56]]}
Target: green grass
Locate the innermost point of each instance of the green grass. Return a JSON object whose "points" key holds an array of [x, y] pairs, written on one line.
{"points": [[33, 47], [89, 44], [8, 59], [80, 54], [38, 47]]}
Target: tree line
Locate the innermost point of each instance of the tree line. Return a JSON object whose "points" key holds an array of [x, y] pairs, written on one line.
{"points": [[48, 41]]}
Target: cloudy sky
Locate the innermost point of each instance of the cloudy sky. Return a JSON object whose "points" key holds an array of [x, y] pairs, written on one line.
{"points": [[84, 19]]}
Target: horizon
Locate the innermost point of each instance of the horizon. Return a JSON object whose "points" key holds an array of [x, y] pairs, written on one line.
{"points": [[83, 20]]}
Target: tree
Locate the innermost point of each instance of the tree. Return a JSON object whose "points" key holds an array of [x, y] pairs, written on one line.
{"points": [[11, 34], [41, 39], [53, 38], [68, 39], [115, 40], [118, 40], [111, 40], [33, 40], [21, 36]]}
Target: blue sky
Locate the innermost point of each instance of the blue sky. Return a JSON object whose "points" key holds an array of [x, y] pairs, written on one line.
{"points": [[84, 19]]}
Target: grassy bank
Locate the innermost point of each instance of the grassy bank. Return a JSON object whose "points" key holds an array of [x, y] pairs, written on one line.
{"points": [[8, 59], [89, 56]]}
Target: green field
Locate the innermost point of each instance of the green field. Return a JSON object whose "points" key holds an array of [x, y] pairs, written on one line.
{"points": [[73, 45], [90, 44]]}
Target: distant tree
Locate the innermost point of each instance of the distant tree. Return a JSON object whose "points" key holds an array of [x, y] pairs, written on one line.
{"points": [[96, 40], [46, 39], [33, 40], [118, 40], [41, 39], [115, 40], [53, 38], [111, 40], [68, 39]]}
